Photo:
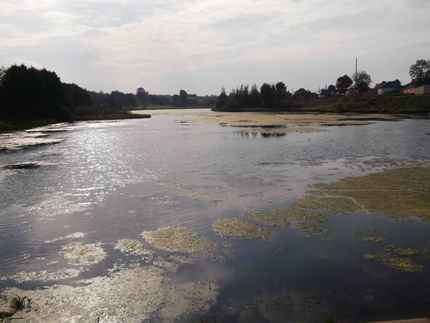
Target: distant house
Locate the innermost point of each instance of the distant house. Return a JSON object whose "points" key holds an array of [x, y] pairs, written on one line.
{"points": [[417, 90], [409, 89], [389, 87], [423, 90]]}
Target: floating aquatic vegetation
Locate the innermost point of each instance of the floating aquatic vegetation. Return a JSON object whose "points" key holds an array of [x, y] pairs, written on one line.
{"points": [[398, 258], [402, 192], [331, 204], [178, 239], [238, 228], [79, 254], [258, 119], [128, 295], [132, 247], [43, 276], [397, 192], [395, 262], [309, 221], [401, 252]]}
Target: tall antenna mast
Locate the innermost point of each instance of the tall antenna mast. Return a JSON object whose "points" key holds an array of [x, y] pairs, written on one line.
{"points": [[356, 65]]}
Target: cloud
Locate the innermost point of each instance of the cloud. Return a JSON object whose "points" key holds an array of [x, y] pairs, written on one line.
{"points": [[165, 45]]}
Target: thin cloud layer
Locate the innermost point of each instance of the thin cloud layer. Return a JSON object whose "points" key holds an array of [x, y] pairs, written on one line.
{"points": [[203, 45]]}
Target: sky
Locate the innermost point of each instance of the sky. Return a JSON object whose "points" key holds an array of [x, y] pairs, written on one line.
{"points": [[203, 45]]}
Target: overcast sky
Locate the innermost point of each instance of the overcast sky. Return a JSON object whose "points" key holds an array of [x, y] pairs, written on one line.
{"points": [[202, 45]]}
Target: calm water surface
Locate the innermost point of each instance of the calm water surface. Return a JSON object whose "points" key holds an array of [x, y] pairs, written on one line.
{"points": [[114, 180]]}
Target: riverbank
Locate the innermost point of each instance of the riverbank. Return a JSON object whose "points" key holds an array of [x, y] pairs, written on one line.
{"points": [[16, 125], [366, 104]]}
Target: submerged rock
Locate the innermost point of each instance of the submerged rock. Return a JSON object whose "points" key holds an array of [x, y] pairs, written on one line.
{"points": [[79, 254], [178, 239], [237, 228]]}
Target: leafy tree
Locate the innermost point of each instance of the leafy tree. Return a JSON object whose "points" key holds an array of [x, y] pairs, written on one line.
{"points": [[222, 99], [303, 94], [420, 72], [281, 92], [31, 93], [267, 94], [254, 97], [331, 90], [343, 83], [2, 73], [183, 94], [75, 96], [141, 96], [362, 81]]}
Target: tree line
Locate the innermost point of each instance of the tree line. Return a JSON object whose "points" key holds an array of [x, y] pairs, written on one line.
{"points": [[277, 97], [28, 93], [268, 96]]}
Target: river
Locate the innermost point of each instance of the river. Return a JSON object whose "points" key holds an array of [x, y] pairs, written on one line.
{"points": [[104, 182]]}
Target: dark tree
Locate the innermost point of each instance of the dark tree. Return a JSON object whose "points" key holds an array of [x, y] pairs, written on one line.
{"points": [[331, 90], [420, 72], [362, 81], [222, 99], [281, 92], [254, 97], [268, 95], [303, 94], [343, 83], [141, 96], [75, 96], [30, 93]]}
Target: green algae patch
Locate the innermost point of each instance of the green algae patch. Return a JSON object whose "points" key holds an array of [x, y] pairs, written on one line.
{"points": [[400, 193], [401, 252], [401, 259], [80, 254], [132, 247], [403, 264], [308, 221], [237, 228], [178, 239]]}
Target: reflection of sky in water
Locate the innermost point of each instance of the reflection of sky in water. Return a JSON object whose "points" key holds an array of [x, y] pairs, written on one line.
{"points": [[115, 180]]}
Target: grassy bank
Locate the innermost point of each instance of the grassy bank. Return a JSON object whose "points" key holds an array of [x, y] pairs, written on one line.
{"points": [[390, 104], [16, 125], [395, 104], [113, 116]]}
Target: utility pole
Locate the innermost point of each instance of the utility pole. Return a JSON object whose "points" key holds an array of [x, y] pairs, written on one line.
{"points": [[356, 65]]}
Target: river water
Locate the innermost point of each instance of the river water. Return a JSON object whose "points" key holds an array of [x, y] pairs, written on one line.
{"points": [[108, 181]]}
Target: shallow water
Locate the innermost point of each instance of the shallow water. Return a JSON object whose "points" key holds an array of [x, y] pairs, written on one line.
{"points": [[109, 181]]}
